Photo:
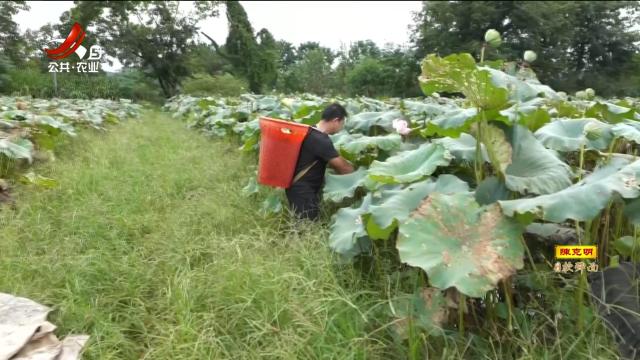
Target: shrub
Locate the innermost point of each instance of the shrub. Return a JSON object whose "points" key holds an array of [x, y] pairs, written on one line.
{"points": [[223, 85]]}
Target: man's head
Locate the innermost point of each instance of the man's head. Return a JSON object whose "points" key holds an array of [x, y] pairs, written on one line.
{"points": [[333, 118]]}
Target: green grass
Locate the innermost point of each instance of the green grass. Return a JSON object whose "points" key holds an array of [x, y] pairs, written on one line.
{"points": [[148, 246]]}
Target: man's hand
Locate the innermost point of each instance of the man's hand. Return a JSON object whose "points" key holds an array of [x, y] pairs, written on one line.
{"points": [[341, 166]]}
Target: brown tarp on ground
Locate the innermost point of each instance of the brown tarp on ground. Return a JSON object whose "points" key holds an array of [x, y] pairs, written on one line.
{"points": [[25, 333]]}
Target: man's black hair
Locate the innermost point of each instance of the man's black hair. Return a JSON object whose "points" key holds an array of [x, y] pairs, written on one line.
{"points": [[333, 111]]}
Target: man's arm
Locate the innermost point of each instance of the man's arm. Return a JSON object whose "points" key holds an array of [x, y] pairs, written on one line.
{"points": [[340, 165]]}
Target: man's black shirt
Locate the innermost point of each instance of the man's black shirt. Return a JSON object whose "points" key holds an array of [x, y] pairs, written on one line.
{"points": [[304, 195], [316, 146]]}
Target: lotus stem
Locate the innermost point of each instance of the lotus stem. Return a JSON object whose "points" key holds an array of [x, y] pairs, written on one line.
{"points": [[479, 159], [529, 256], [619, 222], [490, 308], [604, 236], [580, 178], [376, 259], [581, 162], [482, 52], [580, 302], [611, 148], [461, 304], [506, 286]]}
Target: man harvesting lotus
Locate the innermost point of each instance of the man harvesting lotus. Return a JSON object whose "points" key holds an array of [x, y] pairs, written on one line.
{"points": [[316, 152]]}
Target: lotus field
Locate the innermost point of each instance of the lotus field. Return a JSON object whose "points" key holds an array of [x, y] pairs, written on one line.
{"points": [[31, 128], [463, 194]]}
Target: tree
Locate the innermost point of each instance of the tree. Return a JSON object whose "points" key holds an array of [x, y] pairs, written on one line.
{"points": [[311, 74], [286, 54], [361, 49], [203, 59], [268, 57], [575, 41], [9, 36], [252, 56], [157, 40], [368, 77], [309, 46]]}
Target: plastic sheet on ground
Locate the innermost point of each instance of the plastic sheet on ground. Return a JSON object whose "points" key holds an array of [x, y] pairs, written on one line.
{"points": [[25, 333]]}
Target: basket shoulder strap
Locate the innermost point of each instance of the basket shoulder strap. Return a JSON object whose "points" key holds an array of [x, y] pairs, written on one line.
{"points": [[303, 172]]}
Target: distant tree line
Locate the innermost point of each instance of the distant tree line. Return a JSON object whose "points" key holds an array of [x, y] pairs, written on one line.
{"points": [[579, 44]]}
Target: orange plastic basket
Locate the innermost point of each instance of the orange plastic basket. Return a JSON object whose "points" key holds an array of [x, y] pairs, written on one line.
{"points": [[280, 143]]}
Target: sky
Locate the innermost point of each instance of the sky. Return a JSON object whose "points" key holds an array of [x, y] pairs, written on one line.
{"points": [[331, 23]]}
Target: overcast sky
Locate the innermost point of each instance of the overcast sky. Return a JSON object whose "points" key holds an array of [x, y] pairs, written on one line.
{"points": [[330, 23]]}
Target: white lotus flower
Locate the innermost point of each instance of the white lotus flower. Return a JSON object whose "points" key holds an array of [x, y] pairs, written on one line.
{"points": [[530, 56], [492, 37], [401, 126], [590, 93]]}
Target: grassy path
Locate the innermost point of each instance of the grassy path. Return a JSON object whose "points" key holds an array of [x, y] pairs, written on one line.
{"points": [[148, 246]]}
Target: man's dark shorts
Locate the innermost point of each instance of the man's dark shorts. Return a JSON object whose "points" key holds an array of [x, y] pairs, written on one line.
{"points": [[304, 200]]}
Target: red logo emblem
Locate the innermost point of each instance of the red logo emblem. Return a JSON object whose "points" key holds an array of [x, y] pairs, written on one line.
{"points": [[69, 46]]}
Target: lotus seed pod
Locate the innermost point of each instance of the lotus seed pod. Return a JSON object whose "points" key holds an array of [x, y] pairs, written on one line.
{"points": [[590, 93], [582, 95], [530, 56], [492, 37], [593, 130]]}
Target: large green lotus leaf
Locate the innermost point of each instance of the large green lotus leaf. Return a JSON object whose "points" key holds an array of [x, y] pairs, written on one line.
{"points": [[397, 204], [632, 211], [363, 121], [48, 121], [18, 115], [463, 148], [69, 114], [531, 114], [251, 188], [452, 123], [446, 74], [18, 149], [339, 187], [520, 90], [272, 204], [491, 190], [357, 144], [206, 103], [517, 110], [348, 235], [7, 124], [410, 166], [610, 113], [534, 169], [572, 134], [458, 73], [553, 233], [460, 244], [268, 103], [498, 148], [628, 131], [584, 200], [374, 105], [426, 309], [420, 111], [340, 138]]}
